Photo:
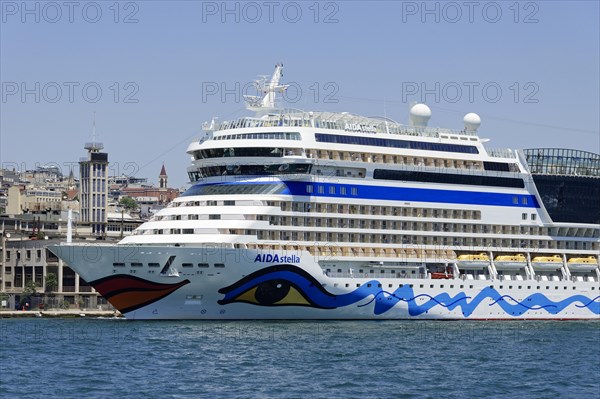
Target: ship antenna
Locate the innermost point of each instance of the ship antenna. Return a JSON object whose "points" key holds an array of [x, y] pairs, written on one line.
{"points": [[268, 92], [385, 107], [387, 129], [94, 129]]}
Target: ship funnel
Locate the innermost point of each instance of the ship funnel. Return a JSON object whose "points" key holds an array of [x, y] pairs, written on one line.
{"points": [[419, 115], [472, 122]]}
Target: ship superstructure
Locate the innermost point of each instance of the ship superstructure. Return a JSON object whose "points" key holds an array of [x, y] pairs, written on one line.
{"points": [[295, 214]]}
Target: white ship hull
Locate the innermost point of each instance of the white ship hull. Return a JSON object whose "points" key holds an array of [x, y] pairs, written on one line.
{"points": [[231, 291]]}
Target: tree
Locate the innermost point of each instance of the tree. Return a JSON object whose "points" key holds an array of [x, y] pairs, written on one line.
{"points": [[128, 203], [30, 289], [51, 282]]}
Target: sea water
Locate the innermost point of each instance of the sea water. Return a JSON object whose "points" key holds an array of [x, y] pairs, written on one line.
{"points": [[116, 358]]}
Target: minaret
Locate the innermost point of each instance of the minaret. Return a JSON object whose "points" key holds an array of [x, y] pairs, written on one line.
{"points": [[93, 186], [162, 185], [71, 180]]}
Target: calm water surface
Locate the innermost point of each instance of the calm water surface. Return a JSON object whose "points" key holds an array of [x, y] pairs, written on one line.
{"points": [[111, 358]]}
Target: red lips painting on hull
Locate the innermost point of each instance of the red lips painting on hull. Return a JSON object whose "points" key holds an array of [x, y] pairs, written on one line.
{"points": [[128, 293]]}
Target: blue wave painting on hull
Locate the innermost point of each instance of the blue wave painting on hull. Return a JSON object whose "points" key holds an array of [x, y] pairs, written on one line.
{"points": [[288, 285]]}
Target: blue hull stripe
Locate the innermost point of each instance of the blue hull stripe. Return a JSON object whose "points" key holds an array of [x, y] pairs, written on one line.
{"points": [[415, 194], [298, 188]]}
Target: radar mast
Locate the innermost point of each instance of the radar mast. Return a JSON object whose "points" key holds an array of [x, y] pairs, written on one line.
{"points": [[265, 103]]}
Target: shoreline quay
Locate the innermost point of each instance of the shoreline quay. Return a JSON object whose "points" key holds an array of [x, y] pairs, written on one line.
{"points": [[58, 313]]}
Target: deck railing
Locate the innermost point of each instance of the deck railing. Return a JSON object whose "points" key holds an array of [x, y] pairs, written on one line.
{"points": [[335, 121]]}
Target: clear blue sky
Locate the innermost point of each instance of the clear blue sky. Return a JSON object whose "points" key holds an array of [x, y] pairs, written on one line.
{"points": [[543, 56]]}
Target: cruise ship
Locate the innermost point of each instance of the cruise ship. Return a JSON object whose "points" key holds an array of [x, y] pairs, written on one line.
{"points": [[297, 214]]}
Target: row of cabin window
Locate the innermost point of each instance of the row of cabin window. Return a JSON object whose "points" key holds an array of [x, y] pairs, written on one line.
{"points": [[231, 189], [316, 221], [249, 170], [185, 217], [154, 264], [412, 226], [393, 143], [332, 190], [402, 285], [361, 271], [391, 211], [396, 159], [533, 216], [448, 178], [462, 286], [370, 224], [510, 287], [260, 136], [412, 239], [377, 210]]}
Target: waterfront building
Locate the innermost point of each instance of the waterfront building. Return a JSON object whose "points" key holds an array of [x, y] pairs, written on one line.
{"points": [[93, 190]]}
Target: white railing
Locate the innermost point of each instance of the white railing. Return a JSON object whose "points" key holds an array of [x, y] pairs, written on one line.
{"points": [[333, 121]]}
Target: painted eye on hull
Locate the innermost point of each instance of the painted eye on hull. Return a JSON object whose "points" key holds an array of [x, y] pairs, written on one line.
{"points": [[270, 292], [273, 293], [282, 285]]}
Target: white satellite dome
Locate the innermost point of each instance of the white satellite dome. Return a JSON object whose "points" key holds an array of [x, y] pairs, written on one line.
{"points": [[419, 115], [472, 122]]}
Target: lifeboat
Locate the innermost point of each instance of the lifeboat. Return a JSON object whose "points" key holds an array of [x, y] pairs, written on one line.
{"points": [[441, 276], [510, 262], [473, 260], [582, 264], [550, 263]]}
